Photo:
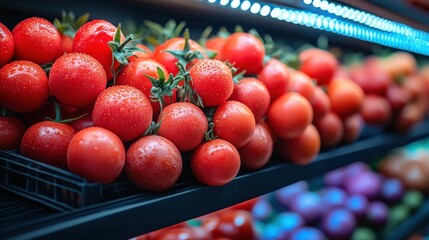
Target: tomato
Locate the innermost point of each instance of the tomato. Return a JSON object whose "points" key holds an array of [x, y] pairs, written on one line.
{"points": [[353, 126], [302, 149], [134, 74], [376, 110], [398, 96], [400, 64], [36, 40], [23, 86], [215, 44], [346, 97], [234, 122], [302, 84], [212, 81], [124, 110], [96, 154], [11, 132], [245, 51], [92, 39], [76, 79], [147, 53], [372, 79], [320, 104], [331, 130], [257, 152], [47, 142], [184, 124], [215, 163], [82, 122], [415, 85], [167, 59], [7, 45], [275, 75], [184, 233], [66, 44], [318, 64], [231, 224], [153, 163], [254, 95], [409, 116], [289, 115]]}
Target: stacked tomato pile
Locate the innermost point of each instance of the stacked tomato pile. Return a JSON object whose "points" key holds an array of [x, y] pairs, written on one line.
{"points": [[82, 96]]}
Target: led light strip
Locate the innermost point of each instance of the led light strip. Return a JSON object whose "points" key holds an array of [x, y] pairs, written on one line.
{"points": [[364, 26]]}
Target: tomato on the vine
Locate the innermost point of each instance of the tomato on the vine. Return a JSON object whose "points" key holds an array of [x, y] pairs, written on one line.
{"points": [[11, 132], [153, 163], [145, 54], [23, 86], [37, 40], [275, 75], [76, 80], [7, 45], [96, 154], [257, 152]]}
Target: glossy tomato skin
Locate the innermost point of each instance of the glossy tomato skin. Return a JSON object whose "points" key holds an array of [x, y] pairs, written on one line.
{"points": [[234, 122], [124, 110], [320, 104], [302, 149], [215, 163], [254, 95], [76, 80], [212, 81], [146, 54], [215, 44], [184, 124], [153, 163], [289, 115], [37, 40], [23, 86], [11, 132], [47, 142], [92, 39], [231, 224], [302, 84], [7, 45], [257, 152], [167, 59], [275, 75], [346, 97], [318, 64], [134, 74], [96, 154], [330, 129], [245, 51]]}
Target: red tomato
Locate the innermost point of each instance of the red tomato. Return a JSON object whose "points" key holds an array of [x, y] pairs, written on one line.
{"points": [[96, 154], [415, 86], [320, 104], [302, 84], [400, 64], [66, 44], [257, 152], [302, 149], [231, 224], [398, 96], [82, 122], [23, 86], [134, 74], [11, 132], [184, 124], [47, 142], [92, 39], [318, 64], [76, 79], [37, 40], [141, 55], [7, 45], [409, 116], [184, 233], [353, 126], [289, 115], [167, 59], [234, 122], [215, 44], [275, 75], [346, 97], [215, 163], [153, 163], [330, 129], [245, 51], [212, 81], [254, 95], [376, 110], [372, 79], [124, 110]]}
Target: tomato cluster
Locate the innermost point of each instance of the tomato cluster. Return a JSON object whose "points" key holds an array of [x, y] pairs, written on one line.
{"points": [[97, 104]]}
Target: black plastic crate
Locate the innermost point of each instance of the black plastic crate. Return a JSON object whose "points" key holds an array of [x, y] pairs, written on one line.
{"points": [[54, 187]]}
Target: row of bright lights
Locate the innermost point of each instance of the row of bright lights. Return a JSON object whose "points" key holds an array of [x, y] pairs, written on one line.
{"points": [[376, 30]]}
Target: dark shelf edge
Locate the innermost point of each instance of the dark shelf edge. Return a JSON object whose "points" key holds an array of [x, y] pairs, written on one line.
{"points": [[143, 213]]}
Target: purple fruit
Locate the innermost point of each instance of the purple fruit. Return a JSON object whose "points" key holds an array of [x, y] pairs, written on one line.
{"points": [[262, 210], [358, 204], [355, 168], [339, 223], [285, 195], [364, 183], [307, 233], [392, 190], [307, 204], [288, 222], [334, 178], [333, 197], [377, 213]]}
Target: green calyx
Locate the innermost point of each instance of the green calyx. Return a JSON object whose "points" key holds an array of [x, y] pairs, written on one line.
{"points": [[186, 55], [58, 117], [154, 34], [162, 87], [152, 129], [186, 93], [209, 135], [68, 25]]}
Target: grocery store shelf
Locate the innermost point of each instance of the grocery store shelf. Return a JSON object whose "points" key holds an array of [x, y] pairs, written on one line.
{"points": [[143, 212]]}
